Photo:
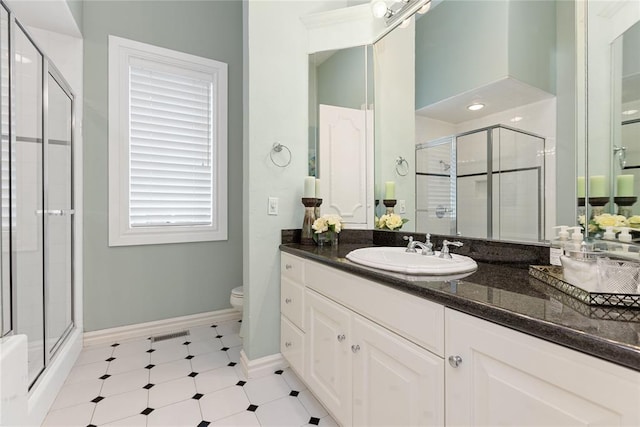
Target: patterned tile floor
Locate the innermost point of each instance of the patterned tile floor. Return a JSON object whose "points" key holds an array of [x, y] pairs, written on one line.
{"points": [[194, 380]]}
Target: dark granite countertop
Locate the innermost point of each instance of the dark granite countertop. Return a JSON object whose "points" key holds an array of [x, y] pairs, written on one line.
{"points": [[508, 296]]}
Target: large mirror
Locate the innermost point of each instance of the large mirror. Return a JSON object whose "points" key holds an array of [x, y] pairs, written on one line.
{"points": [[613, 120], [489, 173]]}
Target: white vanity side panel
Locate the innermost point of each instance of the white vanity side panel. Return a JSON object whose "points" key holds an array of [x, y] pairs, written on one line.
{"points": [[414, 318]]}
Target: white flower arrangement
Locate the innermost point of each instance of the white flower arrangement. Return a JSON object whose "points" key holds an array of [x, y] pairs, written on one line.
{"points": [[332, 223], [390, 222]]}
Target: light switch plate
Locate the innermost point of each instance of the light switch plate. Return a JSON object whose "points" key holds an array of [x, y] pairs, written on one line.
{"points": [[272, 207], [402, 207]]}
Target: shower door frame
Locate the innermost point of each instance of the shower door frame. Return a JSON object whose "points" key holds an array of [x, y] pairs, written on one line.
{"points": [[47, 69]]}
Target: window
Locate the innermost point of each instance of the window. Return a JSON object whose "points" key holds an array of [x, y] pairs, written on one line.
{"points": [[167, 146]]}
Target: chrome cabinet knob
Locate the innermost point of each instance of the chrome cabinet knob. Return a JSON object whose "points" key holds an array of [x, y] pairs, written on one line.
{"points": [[287, 300], [455, 361], [355, 348], [341, 337], [288, 267], [287, 344]]}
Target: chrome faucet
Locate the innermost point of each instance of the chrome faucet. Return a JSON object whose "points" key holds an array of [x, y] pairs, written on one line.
{"points": [[444, 252], [427, 246]]}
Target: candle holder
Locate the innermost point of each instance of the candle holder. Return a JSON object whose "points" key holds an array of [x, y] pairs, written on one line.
{"points": [[624, 204], [390, 204], [309, 217], [316, 209], [597, 205]]}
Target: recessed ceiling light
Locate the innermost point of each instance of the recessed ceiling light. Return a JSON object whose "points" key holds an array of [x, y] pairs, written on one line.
{"points": [[516, 119], [475, 106], [629, 112]]}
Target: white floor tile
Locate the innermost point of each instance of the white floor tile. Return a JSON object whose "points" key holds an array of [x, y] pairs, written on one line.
{"points": [[135, 421], [129, 348], [120, 406], [231, 340], [169, 354], [292, 379], [170, 371], [216, 379], [202, 333], [173, 342], [77, 393], [185, 413], [95, 354], [243, 419], [171, 392], [202, 347], [328, 421], [287, 411], [79, 415], [90, 371], [223, 403], [311, 404], [209, 361], [126, 381], [234, 354], [266, 389], [129, 363], [226, 328]]}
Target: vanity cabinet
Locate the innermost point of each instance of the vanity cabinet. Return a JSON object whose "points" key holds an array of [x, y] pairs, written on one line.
{"points": [[292, 311], [374, 355], [504, 377]]}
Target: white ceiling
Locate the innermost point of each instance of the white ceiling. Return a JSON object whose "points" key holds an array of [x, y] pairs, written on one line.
{"points": [[498, 96], [52, 15]]}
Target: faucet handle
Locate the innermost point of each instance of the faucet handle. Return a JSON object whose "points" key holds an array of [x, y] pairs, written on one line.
{"points": [[444, 252], [428, 238], [411, 246], [409, 238]]}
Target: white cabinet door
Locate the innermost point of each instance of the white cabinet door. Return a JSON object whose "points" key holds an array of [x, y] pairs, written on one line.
{"points": [[508, 378], [328, 374], [396, 383]]}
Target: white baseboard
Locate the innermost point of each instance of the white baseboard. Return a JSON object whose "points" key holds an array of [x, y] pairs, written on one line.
{"points": [[263, 366], [144, 330]]}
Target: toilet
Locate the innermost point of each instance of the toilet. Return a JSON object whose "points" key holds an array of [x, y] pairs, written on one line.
{"points": [[237, 301]]}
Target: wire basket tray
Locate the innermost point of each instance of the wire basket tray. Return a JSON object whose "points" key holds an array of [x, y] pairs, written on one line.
{"points": [[552, 276]]}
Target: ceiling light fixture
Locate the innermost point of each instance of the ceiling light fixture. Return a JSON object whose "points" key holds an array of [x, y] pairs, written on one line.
{"points": [[629, 112], [424, 9], [405, 23], [475, 106], [399, 11], [516, 119]]}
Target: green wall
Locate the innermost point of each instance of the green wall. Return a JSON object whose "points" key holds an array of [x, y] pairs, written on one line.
{"points": [[342, 78], [491, 40], [128, 285], [76, 7]]}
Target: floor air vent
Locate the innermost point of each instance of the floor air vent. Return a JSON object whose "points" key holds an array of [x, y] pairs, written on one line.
{"points": [[169, 336]]}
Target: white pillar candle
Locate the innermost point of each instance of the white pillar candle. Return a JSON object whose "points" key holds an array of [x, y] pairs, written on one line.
{"points": [[318, 196], [309, 187], [390, 190]]}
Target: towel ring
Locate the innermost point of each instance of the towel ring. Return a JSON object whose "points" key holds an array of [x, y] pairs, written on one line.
{"points": [[402, 165], [277, 148]]}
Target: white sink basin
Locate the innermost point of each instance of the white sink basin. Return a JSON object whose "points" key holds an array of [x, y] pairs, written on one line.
{"points": [[398, 260]]}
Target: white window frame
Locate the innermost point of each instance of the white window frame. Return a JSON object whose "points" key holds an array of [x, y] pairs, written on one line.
{"points": [[120, 233]]}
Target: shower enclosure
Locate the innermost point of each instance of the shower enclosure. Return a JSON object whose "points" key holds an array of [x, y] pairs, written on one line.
{"points": [[486, 183], [36, 123]]}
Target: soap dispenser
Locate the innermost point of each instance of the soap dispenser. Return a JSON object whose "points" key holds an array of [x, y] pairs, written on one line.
{"points": [[609, 234], [624, 235], [579, 266], [557, 244], [576, 240]]}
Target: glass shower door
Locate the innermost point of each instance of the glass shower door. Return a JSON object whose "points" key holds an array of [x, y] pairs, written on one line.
{"points": [[27, 219], [5, 244], [59, 214]]}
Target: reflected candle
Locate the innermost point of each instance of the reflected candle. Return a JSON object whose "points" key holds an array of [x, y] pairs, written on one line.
{"points": [[597, 186], [624, 185], [581, 183], [390, 190]]}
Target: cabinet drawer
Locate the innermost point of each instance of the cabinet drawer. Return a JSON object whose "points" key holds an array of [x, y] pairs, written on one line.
{"points": [[292, 267], [292, 345], [292, 301], [411, 317]]}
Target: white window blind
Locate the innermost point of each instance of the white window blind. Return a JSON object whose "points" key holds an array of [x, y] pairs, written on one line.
{"points": [[167, 146], [171, 146]]}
